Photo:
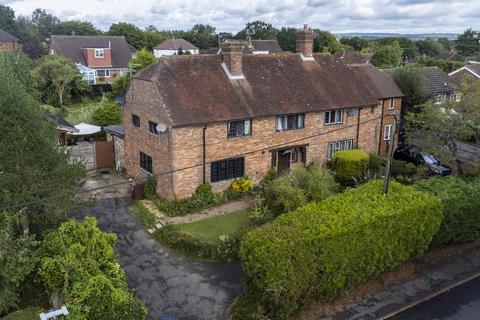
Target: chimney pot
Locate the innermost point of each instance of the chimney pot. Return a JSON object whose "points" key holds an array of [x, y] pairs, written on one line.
{"points": [[232, 57], [304, 41]]}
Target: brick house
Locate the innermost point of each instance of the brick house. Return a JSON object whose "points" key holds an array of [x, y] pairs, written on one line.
{"points": [[99, 58], [211, 118], [390, 98], [8, 41]]}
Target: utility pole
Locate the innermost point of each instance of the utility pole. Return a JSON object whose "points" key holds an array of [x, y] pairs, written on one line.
{"points": [[391, 149]]}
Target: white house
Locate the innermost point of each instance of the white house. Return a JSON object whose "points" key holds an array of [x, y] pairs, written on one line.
{"points": [[173, 47]]}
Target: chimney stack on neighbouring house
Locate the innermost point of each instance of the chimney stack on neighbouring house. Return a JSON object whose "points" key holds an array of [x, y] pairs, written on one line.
{"points": [[304, 40], [232, 58], [249, 40]]}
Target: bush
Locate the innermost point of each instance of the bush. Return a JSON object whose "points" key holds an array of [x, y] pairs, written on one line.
{"points": [[461, 203], [106, 113], [299, 186], [350, 165], [204, 194], [405, 172], [323, 249], [241, 185]]}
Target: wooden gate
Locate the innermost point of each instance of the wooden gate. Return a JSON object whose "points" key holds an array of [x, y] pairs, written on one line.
{"points": [[104, 156]]}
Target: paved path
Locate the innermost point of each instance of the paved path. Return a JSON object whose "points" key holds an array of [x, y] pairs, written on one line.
{"points": [[169, 285], [460, 303]]}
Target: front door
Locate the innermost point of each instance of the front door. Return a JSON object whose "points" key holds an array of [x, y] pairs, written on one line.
{"points": [[283, 162]]}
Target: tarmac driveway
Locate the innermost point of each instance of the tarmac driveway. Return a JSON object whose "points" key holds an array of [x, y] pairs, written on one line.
{"points": [[170, 285]]}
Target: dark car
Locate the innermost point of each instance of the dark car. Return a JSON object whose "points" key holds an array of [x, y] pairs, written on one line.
{"points": [[412, 154]]}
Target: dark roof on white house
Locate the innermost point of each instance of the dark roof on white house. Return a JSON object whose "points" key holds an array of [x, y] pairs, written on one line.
{"points": [[383, 85], [196, 89], [61, 123], [71, 47], [175, 44], [436, 80], [7, 37]]}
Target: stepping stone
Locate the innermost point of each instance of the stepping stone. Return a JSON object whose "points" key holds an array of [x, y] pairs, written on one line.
{"points": [[151, 230]]}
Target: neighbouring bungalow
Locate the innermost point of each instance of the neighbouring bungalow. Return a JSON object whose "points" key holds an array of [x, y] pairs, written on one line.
{"points": [[63, 126], [254, 47], [99, 58], [438, 85], [173, 47], [8, 42], [211, 118], [467, 73]]}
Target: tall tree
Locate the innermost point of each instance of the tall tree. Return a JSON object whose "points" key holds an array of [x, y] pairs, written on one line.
{"points": [[387, 56], [325, 42], [58, 72], [7, 19], [356, 43], [429, 47], [46, 23], [131, 32], [77, 27], [286, 39], [410, 81], [141, 60], [467, 44], [258, 30], [203, 36]]}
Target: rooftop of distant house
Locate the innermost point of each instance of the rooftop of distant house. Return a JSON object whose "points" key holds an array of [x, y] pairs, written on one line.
{"points": [[175, 44], [7, 37]]}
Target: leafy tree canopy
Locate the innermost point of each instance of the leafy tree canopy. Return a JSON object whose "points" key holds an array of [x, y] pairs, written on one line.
{"points": [[258, 30], [410, 81], [7, 19], [387, 56], [141, 60], [106, 113], [77, 27], [131, 32], [467, 44], [325, 42]]}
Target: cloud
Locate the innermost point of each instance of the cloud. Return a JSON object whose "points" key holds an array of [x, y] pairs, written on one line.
{"points": [[404, 16]]}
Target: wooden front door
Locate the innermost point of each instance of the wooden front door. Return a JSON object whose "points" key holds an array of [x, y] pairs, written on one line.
{"points": [[283, 163]]}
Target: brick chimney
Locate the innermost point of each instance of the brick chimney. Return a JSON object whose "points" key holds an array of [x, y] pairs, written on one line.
{"points": [[232, 58], [304, 40]]}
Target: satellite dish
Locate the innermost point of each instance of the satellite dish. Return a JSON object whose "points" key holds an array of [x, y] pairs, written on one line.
{"points": [[161, 127]]}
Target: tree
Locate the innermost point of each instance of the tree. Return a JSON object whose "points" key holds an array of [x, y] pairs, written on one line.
{"points": [[152, 37], [77, 27], [46, 23], [258, 30], [142, 59], [106, 113], [286, 39], [387, 56], [45, 180], [410, 81], [58, 72], [356, 43], [120, 84], [429, 47], [408, 48], [7, 19], [467, 44], [131, 32], [325, 42], [203, 36], [445, 43], [32, 43]]}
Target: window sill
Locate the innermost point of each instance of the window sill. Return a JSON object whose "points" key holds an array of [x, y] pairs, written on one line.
{"points": [[145, 171], [239, 137], [289, 130]]}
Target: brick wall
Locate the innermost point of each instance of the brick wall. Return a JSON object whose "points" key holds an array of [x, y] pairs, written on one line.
{"points": [[12, 45], [384, 145], [93, 62]]}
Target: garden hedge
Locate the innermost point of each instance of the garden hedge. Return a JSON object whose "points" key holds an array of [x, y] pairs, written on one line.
{"points": [[350, 165], [461, 202], [325, 248]]}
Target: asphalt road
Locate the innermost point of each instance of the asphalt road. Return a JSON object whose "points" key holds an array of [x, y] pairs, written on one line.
{"points": [[460, 303]]}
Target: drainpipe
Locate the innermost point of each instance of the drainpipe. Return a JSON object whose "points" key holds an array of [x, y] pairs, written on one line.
{"points": [[204, 154], [358, 125]]}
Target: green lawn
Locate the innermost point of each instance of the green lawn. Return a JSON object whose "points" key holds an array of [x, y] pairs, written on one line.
{"points": [[80, 111], [25, 314], [209, 230]]}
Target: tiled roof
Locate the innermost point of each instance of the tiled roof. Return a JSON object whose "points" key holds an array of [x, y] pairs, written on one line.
{"points": [[175, 44], [451, 56], [71, 47], [196, 89], [383, 85], [352, 57], [271, 46], [7, 37], [436, 81], [115, 130]]}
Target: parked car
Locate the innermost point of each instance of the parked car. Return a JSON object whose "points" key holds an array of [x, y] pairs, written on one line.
{"points": [[412, 154]]}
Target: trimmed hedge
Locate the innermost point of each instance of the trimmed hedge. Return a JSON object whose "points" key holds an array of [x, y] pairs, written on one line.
{"points": [[323, 249], [351, 165], [461, 202]]}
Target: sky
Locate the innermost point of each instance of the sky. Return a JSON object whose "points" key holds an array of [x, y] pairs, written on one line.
{"points": [[398, 16]]}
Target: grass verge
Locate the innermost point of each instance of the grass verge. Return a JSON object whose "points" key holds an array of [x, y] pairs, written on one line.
{"points": [[25, 314], [215, 238], [143, 215]]}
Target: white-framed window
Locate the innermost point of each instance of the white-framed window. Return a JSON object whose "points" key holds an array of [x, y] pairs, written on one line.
{"points": [[391, 103], [335, 146], [333, 116], [239, 128], [387, 132], [290, 122], [99, 54], [438, 99], [455, 97], [103, 73]]}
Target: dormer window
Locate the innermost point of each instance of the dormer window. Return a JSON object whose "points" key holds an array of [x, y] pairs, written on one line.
{"points": [[99, 53]]}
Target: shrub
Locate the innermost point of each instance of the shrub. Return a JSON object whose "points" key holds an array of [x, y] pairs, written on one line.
{"points": [[241, 185], [204, 194], [323, 249], [405, 172], [299, 186], [350, 165], [107, 112], [150, 188], [461, 203]]}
